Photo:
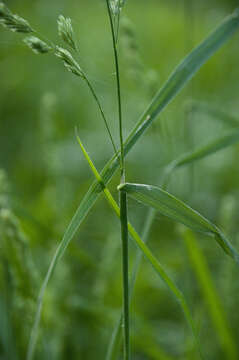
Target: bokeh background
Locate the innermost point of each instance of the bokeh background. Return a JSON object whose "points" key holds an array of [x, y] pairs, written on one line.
{"points": [[44, 176]]}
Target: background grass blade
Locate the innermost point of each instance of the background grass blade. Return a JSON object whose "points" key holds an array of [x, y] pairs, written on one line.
{"points": [[178, 211], [222, 142], [212, 299], [207, 109]]}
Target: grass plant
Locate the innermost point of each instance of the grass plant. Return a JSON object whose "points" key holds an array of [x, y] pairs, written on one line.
{"points": [[157, 198]]}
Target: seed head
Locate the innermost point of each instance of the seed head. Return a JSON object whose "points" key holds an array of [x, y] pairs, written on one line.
{"points": [[4, 11], [13, 22], [38, 46], [116, 6], [66, 31], [69, 62]]}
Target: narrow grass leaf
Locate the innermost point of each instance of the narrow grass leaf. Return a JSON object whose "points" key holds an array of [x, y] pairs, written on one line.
{"points": [[222, 142], [178, 211], [212, 299], [212, 111]]}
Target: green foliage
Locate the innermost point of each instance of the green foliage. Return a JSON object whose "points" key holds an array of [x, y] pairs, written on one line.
{"points": [[177, 210], [48, 180]]}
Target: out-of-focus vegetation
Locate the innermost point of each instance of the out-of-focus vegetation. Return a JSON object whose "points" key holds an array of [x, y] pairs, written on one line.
{"points": [[44, 176]]}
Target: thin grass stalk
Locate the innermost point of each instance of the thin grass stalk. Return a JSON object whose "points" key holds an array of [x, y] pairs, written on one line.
{"points": [[114, 42], [116, 338], [101, 111], [158, 268], [123, 200]]}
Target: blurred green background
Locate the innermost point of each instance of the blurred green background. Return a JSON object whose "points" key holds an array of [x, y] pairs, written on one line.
{"points": [[44, 176]]}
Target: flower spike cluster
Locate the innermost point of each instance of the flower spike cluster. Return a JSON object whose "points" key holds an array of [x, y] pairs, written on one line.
{"points": [[13, 22]]}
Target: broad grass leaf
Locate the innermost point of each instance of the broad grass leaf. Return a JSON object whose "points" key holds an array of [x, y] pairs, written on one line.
{"points": [[177, 210]]}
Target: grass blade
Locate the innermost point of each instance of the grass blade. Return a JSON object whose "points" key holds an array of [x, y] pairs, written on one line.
{"points": [[204, 108], [215, 307], [222, 142], [186, 70], [177, 210]]}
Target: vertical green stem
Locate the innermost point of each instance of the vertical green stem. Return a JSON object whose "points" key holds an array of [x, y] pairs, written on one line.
{"points": [[118, 91], [123, 202], [124, 237]]}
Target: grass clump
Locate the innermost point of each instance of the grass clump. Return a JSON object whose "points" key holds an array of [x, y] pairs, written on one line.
{"points": [[156, 197]]}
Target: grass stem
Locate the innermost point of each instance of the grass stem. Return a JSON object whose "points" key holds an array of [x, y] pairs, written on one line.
{"points": [[123, 199], [114, 41], [101, 111]]}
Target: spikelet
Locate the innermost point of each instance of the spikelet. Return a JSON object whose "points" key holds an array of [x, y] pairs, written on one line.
{"points": [[69, 62], [116, 6], [13, 22], [121, 4], [66, 31], [38, 46]]}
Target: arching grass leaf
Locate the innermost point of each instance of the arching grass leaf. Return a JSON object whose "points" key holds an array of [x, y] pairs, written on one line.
{"points": [[177, 210]]}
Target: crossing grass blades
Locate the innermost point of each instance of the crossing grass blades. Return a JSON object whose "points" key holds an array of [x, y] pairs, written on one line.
{"points": [[155, 197]]}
